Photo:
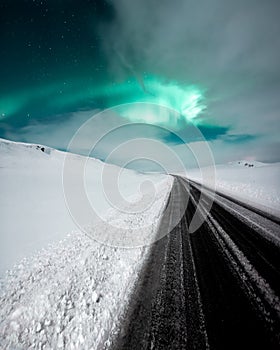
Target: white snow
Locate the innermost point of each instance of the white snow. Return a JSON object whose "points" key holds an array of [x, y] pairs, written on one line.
{"points": [[64, 289], [70, 295], [256, 183], [32, 205]]}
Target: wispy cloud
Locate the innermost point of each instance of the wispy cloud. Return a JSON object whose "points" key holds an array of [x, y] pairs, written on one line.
{"points": [[231, 48]]}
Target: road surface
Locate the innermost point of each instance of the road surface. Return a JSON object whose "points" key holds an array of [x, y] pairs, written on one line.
{"points": [[215, 288]]}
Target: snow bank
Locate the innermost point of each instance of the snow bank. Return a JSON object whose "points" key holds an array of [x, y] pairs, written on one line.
{"points": [[254, 182], [69, 291], [32, 205]]}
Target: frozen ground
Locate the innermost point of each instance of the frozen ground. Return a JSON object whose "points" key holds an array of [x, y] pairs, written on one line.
{"points": [[65, 290], [255, 183]]}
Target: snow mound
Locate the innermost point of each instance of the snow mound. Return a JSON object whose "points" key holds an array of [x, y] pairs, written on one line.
{"points": [[32, 206], [68, 291]]}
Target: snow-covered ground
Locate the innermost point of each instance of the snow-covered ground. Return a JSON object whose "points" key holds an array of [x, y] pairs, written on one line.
{"points": [[255, 183], [63, 288], [32, 206]]}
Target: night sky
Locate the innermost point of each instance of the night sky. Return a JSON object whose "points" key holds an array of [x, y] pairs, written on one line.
{"points": [[215, 62], [51, 61]]}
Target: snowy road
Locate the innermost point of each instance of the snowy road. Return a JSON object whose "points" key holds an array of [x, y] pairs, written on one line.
{"points": [[216, 288]]}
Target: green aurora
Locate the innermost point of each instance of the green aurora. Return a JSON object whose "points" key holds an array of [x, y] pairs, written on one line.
{"points": [[63, 61], [187, 100]]}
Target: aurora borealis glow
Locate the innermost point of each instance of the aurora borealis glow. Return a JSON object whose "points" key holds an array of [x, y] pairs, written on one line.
{"points": [[187, 100], [216, 65]]}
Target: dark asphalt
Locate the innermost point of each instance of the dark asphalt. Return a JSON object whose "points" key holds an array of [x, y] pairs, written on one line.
{"points": [[215, 288]]}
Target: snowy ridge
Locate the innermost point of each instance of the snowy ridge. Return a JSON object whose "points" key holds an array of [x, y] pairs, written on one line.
{"points": [[11, 146], [32, 192], [68, 291]]}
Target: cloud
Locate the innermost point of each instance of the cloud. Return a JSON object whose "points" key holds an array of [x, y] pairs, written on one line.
{"points": [[231, 49], [140, 146], [196, 133], [196, 40], [56, 133]]}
